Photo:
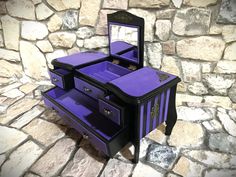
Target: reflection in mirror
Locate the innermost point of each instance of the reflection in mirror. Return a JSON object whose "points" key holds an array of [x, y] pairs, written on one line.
{"points": [[124, 42]]}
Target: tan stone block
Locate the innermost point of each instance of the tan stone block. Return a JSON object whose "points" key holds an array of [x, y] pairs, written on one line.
{"points": [[186, 134], [148, 3], [11, 30], [192, 48], [88, 16], [186, 167]]}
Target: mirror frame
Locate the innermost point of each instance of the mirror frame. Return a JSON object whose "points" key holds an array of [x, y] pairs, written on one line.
{"points": [[127, 19], [110, 43]]}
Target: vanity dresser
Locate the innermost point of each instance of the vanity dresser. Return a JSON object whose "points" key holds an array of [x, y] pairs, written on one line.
{"points": [[113, 100]]}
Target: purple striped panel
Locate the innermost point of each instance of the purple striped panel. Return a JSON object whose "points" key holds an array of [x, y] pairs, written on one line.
{"points": [[161, 107], [141, 120], [156, 116], [148, 117], [167, 103]]}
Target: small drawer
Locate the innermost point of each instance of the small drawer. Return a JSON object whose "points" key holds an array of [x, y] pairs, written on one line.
{"points": [[113, 109], [88, 88], [62, 78]]}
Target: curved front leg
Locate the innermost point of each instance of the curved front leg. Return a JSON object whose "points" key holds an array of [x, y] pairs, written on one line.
{"points": [[172, 114]]}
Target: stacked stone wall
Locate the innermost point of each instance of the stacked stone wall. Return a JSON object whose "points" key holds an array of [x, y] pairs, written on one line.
{"points": [[193, 39]]}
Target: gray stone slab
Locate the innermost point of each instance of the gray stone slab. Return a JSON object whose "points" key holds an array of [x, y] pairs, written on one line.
{"points": [[227, 12]]}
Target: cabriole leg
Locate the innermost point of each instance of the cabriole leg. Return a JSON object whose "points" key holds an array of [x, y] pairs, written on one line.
{"points": [[136, 152], [172, 115]]}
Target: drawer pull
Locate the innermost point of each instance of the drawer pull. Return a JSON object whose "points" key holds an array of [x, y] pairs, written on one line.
{"points": [[87, 90], [54, 79], [107, 112], [85, 136], [55, 110]]}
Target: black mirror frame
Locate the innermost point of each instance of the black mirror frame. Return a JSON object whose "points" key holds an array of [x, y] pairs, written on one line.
{"points": [[127, 19]]}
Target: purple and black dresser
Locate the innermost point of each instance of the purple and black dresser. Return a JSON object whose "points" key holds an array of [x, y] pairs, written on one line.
{"points": [[112, 100]]}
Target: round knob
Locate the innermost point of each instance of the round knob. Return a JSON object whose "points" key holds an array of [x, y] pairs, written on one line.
{"points": [[85, 136], [54, 79], [107, 112], [87, 90]]}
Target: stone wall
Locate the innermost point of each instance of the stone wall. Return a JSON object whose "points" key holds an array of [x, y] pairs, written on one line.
{"points": [[193, 39]]}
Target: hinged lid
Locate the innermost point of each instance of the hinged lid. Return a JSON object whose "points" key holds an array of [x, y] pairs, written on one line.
{"points": [[140, 85], [126, 38], [79, 60]]}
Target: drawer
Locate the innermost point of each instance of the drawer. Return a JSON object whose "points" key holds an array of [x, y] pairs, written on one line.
{"points": [[113, 109], [110, 111], [93, 139], [100, 145], [51, 105], [88, 88], [109, 146], [62, 78]]}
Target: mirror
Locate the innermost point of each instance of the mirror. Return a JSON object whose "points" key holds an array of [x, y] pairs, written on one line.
{"points": [[124, 42]]}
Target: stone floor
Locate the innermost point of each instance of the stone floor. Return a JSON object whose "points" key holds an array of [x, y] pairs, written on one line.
{"points": [[34, 142]]}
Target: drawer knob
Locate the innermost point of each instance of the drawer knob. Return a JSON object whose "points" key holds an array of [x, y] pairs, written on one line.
{"points": [[55, 110], [107, 112], [54, 79], [85, 136], [87, 90]]}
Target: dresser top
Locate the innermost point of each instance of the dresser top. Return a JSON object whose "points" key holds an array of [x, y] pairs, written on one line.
{"points": [[78, 59], [142, 83]]}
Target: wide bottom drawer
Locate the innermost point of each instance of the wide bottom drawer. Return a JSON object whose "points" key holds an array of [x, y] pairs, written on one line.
{"points": [[74, 108]]}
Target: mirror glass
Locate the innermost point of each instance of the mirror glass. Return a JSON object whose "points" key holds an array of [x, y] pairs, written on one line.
{"points": [[124, 42]]}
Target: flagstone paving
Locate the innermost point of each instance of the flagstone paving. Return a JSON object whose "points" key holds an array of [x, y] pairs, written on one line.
{"points": [[34, 142]]}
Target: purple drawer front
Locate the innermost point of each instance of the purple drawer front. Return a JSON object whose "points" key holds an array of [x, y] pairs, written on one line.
{"points": [[56, 79], [153, 112], [109, 111], [88, 89], [99, 144]]}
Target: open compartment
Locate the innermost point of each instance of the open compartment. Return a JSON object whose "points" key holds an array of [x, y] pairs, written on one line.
{"points": [[62, 78], [81, 113], [104, 71]]}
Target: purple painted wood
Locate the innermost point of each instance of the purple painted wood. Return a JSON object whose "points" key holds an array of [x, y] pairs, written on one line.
{"points": [[61, 78], [98, 143], [130, 55], [83, 131], [141, 81], [62, 71], [167, 104], [154, 125], [148, 122], [81, 58], [88, 89], [109, 111], [85, 109], [141, 120], [104, 71], [161, 108], [148, 117], [56, 79], [119, 46]]}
